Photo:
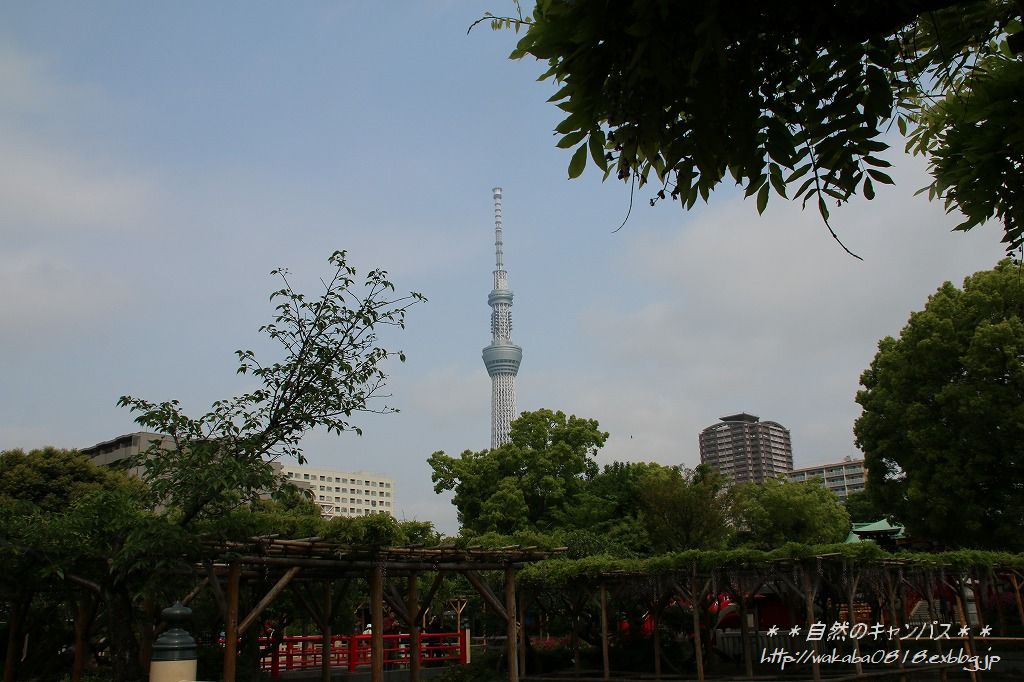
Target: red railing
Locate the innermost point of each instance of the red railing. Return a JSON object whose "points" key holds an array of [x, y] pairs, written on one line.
{"points": [[352, 651]]}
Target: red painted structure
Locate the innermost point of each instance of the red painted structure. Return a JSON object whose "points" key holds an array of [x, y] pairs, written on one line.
{"points": [[352, 651]]}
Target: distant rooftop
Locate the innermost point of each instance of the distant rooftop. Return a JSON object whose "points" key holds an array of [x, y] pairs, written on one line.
{"points": [[741, 417]]}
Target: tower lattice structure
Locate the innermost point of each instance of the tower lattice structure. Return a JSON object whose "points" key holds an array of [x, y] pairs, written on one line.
{"points": [[501, 357]]}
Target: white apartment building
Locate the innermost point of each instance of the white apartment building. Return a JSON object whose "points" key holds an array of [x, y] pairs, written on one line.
{"points": [[344, 493], [842, 478]]}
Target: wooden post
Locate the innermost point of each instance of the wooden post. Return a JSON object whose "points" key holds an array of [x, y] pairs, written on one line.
{"points": [[325, 635], [413, 601], [231, 622], [851, 595], [808, 584], [606, 664], [83, 616], [655, 614], [19, 609], [961, 597], [521, 643], [929, 591], [511, 636], [748, 662], [377, 624], [696, 596]]}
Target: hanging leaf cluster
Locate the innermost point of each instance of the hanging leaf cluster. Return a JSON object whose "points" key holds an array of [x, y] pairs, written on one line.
{"points": [[785, 98]]}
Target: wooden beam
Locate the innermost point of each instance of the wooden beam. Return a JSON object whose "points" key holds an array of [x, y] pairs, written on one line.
{"points": [[394, 600], [267, 600], [218, 594], [492, 601], [231, 623], [357, 567], [308, 603], [438, 579], [195, 591]]}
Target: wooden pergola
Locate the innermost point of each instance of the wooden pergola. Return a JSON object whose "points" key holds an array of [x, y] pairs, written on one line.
{"points": [[319, 560], [886, 579]]}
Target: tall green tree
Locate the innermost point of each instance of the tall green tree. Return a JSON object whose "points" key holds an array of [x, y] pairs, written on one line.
{"points": [[791, 98], [778, 511], [942, 427], [526, 483], [332, 368], [68, 526], [685, 508]]}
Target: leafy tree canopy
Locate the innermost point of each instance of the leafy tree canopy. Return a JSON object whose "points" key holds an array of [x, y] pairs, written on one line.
{"points": [[51, 478], [942, 427], [863, 508], [790, 97], [778, 511], [331, 369], [526, 483], [685, 509]]}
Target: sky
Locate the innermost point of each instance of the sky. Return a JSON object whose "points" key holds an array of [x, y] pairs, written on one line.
{"points": [[160, 159]]}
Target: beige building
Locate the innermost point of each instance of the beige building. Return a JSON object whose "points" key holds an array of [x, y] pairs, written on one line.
{"points": [[842, 478], [344, 493], [338, 493], [129, 445]]}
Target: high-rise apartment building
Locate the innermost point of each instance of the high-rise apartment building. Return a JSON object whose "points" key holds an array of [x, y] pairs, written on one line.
{"points": [[743, 448], [842, 478]]}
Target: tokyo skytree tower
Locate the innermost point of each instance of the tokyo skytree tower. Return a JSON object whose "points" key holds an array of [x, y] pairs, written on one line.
{"points": [[502, 357]]}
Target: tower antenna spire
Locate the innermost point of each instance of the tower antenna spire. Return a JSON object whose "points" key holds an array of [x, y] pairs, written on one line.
{"points": [[501, 357], [499, 265]]}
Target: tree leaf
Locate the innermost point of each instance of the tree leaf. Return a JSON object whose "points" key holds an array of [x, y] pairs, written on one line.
{"points": [[762, 198], [578, 162]]}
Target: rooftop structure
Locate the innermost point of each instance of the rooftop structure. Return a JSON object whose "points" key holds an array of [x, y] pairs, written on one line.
{"points": [[743, 448], [501, 357]]}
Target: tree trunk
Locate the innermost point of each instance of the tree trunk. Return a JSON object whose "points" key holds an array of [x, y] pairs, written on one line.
{"points": [[19, 609], [124, 647]]}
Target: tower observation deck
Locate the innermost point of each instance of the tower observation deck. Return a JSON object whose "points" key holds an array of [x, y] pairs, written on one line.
{"points": [[501, 357]]}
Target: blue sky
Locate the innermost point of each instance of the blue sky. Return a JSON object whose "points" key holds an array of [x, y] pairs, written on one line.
{"points": [[159, 159]]}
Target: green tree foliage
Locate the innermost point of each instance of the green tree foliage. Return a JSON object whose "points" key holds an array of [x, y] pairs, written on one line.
{"points": [[526, 483], [943, 415], [50, 478], [789, 97], [777, 512], [610, 504], [685, 509], [332, 369], [862, 508], [68, 525]]}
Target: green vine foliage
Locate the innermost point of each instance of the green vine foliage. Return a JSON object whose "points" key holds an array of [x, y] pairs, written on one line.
{"points": [[562, 573], [785, 98]]}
